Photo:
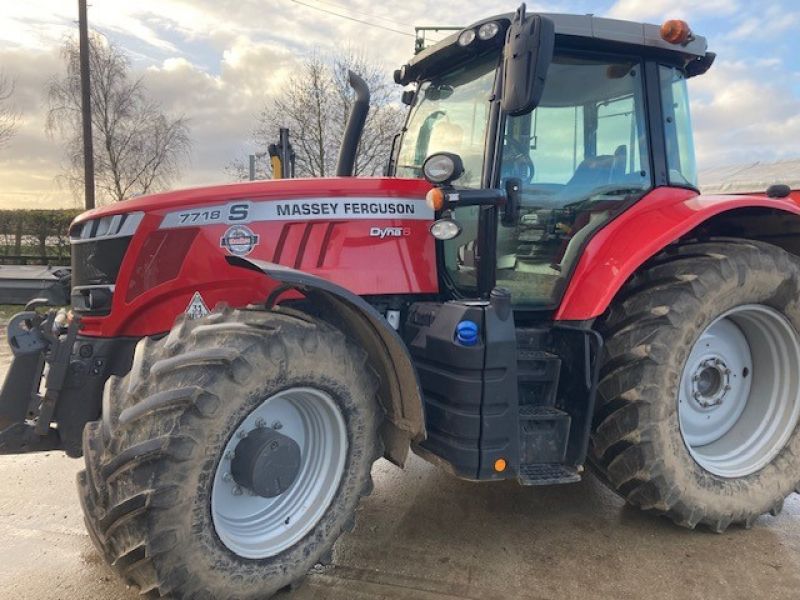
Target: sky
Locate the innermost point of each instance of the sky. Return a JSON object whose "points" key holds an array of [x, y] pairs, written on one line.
{"points": [[216, 62]]}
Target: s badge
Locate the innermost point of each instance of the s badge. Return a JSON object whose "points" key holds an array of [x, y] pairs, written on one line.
{"points": [[239, 240]]}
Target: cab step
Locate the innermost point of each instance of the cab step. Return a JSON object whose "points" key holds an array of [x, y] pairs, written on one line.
{"points": [[547, 474], [544, 434]]}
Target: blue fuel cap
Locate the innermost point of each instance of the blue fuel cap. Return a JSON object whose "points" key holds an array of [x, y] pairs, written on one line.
{"points": [[467, 333]]}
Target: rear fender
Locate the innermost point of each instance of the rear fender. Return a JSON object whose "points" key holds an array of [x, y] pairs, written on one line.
{"points": [[661, 218], [399, 392]]}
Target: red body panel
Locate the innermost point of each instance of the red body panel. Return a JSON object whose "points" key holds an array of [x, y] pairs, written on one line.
{"points": [[657, 220], [347, 251]]}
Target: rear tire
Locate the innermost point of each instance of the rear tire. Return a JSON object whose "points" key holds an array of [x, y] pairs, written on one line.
{"points": [[154, 460], [653, 438]]}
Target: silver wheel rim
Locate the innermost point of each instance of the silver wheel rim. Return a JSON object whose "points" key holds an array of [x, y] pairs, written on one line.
{"points": [[739, 397], [256, 527]]}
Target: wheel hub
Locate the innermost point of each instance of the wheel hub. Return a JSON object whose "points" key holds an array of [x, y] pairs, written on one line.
{"points": [[279, 472], [266, 462], [711, 382]]}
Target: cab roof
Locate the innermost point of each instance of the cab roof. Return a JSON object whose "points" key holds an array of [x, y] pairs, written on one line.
{"points": [[576, 27], [625, 32]]}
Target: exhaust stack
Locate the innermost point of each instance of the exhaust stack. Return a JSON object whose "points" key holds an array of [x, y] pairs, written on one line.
{"points": [[355, 126]]}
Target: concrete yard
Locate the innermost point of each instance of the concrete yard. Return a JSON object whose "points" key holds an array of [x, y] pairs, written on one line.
{"points": [[425, 535]]}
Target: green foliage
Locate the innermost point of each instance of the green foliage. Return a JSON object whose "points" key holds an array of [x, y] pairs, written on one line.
{"points": [[39, 233]]}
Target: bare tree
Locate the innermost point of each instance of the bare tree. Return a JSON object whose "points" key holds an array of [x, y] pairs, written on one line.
{"points": [[315, 104], [138, 148], [8, 116]]}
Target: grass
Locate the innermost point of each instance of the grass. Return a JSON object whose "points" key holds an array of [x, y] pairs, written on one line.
{"points": [[9, 310]]}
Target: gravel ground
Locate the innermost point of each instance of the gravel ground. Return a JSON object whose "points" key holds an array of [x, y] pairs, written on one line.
{"points": [[425, 535]]}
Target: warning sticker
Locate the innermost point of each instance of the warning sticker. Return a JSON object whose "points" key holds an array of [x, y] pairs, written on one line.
{"points": [[197, 307]]}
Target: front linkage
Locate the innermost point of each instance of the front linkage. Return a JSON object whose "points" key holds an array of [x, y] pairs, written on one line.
{"points": [[26, 413], [54, 384]]}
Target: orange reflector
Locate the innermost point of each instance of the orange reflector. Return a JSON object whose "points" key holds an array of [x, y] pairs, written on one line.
{"points": [[676, 31], [435, 199], [500, 465]]}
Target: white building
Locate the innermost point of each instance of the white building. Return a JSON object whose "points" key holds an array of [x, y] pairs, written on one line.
{"points": [[755, 177]]}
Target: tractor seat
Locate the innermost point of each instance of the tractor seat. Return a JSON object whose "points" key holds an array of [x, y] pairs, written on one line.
{"points": [[592, 173]]}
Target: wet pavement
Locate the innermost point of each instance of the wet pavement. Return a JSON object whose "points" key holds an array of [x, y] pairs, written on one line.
{"points": [[425, 535]]}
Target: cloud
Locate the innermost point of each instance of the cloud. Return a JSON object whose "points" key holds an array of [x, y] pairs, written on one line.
{"points": [[217, 61], [741, 115], [30, 161], [221, 108], [752, 27], [658, 10]]}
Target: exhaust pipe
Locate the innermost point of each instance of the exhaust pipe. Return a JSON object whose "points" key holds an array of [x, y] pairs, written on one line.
{"points": [[355, 126]]}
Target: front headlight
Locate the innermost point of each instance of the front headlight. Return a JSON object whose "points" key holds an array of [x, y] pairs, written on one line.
{"points": [[467, 37], [445, 229], [488, 30]]}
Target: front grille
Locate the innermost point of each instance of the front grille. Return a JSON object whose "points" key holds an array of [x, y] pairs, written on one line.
{"points": [[98, 247], [97, 263]]}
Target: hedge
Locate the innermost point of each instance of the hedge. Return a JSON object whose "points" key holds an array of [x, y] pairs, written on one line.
{"points": [[31, 236]]}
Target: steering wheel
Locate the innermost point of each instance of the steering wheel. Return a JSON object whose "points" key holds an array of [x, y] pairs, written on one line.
{"points": [[518, 161]]}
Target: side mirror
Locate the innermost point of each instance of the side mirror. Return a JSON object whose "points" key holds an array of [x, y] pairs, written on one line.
{"points": [[527, 55]]}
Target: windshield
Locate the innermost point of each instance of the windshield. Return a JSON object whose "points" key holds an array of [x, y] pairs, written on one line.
{"points": [[450, 114], [579, 156]]}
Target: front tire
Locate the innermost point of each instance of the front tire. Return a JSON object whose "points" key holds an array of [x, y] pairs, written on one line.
{"points": [[160, 501], [699, 393]]}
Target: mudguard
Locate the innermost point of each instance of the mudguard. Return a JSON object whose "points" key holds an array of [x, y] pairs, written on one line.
{"points": [[659, 219], [400, 390]]}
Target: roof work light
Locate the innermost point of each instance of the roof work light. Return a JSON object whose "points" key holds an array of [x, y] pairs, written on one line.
{"points": [[676, 31]]}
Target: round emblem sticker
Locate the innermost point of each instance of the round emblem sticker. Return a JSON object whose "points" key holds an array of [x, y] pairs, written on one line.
{"points": [[239, 240]]}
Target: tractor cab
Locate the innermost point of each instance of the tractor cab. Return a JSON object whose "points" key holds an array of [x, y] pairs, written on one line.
{"points": [[536, 130], [572, 117]]}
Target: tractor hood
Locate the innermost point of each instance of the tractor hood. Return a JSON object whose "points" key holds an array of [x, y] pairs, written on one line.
{"points": [[132, 259]]}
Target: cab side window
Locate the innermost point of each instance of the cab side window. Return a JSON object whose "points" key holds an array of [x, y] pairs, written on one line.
{"points": [[678, 127]]}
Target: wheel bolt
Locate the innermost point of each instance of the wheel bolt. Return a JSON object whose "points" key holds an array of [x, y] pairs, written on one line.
{"points": [[229, 455], [226, 477], [277, 425], [237, 491], [242, 433], [261, 423]]}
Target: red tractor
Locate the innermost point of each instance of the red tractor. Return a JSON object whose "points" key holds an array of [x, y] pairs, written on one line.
{"points": [[537, 285]]}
